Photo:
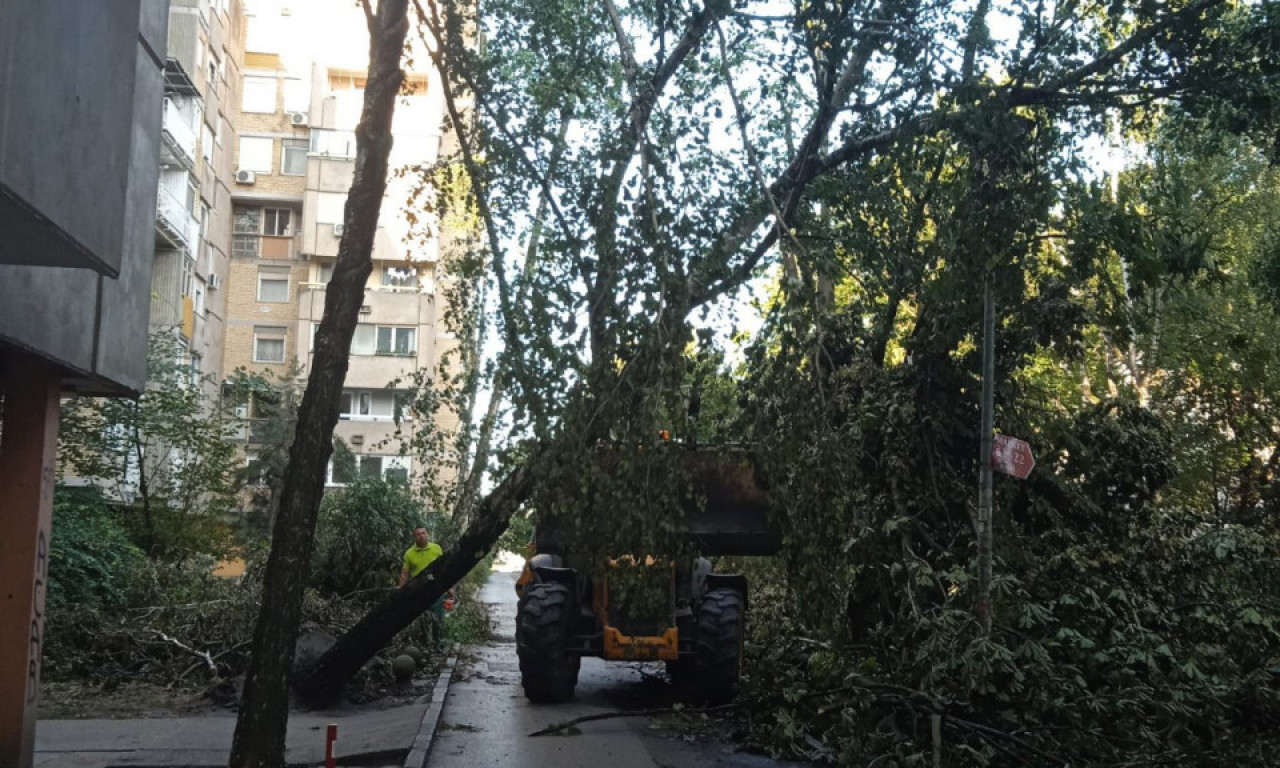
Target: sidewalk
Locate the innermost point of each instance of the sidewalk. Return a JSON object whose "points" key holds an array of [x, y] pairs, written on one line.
{"points": [[382, 737]]}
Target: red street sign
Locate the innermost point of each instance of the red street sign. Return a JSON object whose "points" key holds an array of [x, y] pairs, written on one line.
{"points": [[1012, 456]]}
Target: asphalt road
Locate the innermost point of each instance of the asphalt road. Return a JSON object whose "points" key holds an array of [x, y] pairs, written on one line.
{"points": [[487, 719]]}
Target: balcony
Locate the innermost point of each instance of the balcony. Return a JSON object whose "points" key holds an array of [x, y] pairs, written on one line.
{"points": [[175, 226], [179, 145], [280, 248]]}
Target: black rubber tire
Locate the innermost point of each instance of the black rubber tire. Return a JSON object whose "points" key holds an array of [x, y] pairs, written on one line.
{"points": [[682, 672], [548, 671], [718, 645]]}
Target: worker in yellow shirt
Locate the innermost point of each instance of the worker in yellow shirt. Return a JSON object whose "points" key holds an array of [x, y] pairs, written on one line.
{"points": [[423, 553]]}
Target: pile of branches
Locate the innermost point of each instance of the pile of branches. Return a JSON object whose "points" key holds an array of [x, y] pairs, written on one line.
{"points": [[197, 643]]}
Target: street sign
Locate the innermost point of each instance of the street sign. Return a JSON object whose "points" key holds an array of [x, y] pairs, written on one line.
{"points": [[1012, 456]]}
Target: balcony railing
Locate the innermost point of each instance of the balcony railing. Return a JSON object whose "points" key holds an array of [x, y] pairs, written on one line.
{"points": [[174, 222], [179, 136], [262, 247]]}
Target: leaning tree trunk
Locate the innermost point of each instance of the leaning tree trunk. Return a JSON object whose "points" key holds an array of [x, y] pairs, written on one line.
{"points": [[324, 680], [264, 710]]}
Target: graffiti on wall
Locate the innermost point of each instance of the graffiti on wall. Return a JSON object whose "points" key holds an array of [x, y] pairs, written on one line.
{"points": [[35, 641]]}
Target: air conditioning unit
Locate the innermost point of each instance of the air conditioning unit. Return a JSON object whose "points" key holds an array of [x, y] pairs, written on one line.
{"points": [[338, 229], [298, 118], [215, 282], [246, 177], [365, 309]]}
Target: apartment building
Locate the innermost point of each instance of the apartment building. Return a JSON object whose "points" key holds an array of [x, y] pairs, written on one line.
{"points": [[194, 208], [302, 91]]}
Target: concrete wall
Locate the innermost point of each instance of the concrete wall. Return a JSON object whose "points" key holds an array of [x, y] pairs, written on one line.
{"points": [[79, 142], [66, 119]]}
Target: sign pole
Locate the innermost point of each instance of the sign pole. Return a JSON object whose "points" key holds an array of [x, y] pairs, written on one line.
{"points": [[988, 428]]}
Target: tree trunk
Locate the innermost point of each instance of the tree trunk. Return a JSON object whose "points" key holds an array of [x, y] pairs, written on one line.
{"points": [[323, 681], [264, 710]]}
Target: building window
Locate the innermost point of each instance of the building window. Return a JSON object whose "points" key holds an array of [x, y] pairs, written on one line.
{"points": [[329, 143], [293, 157], [296, 97], [384, 340], [259, 95], [251, 222], [255, 154], [257, 415], [399, 277], [247, 227], [206, 142], [244, 247], [268, 344], [324, 272], [368, 404], [195, 362], [364, 339], [342, 475], [248, 221], [276, 222], [397, 341], [273, 284], [389, 468], [198, 299], [395, 468], [215, 66], [203, 218], [256, 474]]}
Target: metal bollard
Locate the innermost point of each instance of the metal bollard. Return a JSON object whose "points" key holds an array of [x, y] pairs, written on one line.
{"points": [[330, 737]]}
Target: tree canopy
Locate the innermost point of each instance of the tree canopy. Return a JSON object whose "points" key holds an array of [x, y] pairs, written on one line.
{"points": [[868, 165]]}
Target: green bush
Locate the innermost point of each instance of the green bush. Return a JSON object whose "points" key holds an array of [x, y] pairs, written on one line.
{"points": [[362, 534], [469, 622], [93, 564]]}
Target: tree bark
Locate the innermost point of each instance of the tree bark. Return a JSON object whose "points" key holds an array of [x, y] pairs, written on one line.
{"points": [[323, 681], [259, 740]]}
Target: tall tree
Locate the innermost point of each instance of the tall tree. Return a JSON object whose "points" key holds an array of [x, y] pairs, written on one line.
{"points": [[261, 723], [165, 455]]}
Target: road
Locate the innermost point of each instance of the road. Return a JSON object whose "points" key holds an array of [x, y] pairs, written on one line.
{"points": [[487, 719]]}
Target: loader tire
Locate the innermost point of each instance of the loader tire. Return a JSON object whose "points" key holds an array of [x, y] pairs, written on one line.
{"points": [[681, 673], [548, 671], [718, 645]]}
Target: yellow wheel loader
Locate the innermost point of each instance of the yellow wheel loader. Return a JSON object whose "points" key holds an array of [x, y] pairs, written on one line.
{"points": [[648, 608]]}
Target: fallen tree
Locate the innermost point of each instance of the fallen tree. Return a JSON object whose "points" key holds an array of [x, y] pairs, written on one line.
{"points": [[324, 680]]}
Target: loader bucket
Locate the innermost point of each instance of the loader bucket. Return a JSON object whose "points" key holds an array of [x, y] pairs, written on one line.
{"points": [[734, 520], [730, 517]]}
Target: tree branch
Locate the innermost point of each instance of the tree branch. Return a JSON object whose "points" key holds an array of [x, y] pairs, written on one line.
{"points": [[204, 655], [566, 724], [624, 45], [475, 173], [752, 158]]}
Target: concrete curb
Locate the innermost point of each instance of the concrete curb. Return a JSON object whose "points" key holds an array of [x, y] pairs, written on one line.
{"points": [[421, 748]]}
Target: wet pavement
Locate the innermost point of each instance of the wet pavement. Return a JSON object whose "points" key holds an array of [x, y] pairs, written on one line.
{"points": [[487, 720]]}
